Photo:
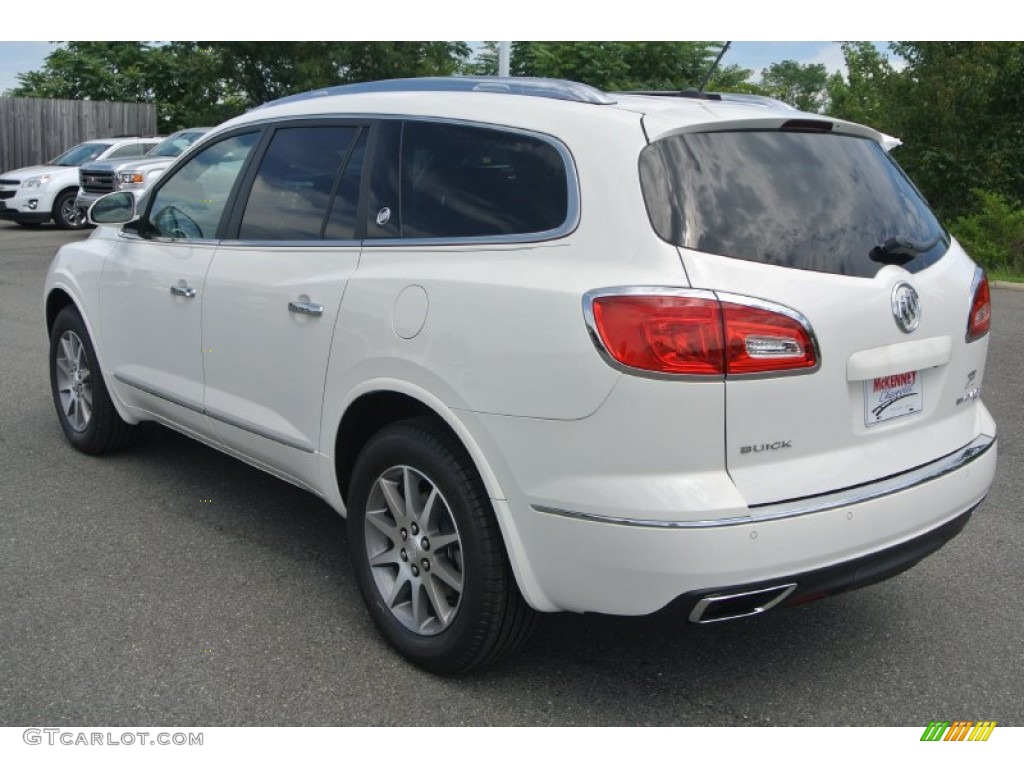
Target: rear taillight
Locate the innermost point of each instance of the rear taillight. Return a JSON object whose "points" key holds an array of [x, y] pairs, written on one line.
{"points": [[698, 333], [980, 319], [667, 334], [766, 340]]}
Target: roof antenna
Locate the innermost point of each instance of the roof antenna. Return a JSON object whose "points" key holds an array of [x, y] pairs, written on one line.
{"points": [[721, 53]]}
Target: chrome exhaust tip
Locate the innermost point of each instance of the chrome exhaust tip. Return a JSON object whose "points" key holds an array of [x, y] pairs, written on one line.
{"points": [[739, 605]]}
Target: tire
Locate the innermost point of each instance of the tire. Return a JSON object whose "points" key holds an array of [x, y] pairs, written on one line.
{"points": [[86, 413], [66, 214], [449, 606]]}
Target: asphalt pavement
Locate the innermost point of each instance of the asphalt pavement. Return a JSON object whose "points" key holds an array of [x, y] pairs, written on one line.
{"points": [[170, 584]]}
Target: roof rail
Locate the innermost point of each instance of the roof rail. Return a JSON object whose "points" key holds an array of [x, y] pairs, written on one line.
{"points": [[547, 88], [743, 98]]}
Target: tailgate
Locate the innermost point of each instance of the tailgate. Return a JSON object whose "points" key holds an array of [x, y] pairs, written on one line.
{"points": [[825, 227]]}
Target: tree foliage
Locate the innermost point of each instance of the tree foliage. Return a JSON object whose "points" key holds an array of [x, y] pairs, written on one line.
{"points": [[863, 95], [617, 65], [994, 232], [802, 85], [203, 83], [957, 106]]}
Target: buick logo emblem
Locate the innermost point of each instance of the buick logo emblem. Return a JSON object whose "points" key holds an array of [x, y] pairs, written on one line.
{"points": [[906, 307]]}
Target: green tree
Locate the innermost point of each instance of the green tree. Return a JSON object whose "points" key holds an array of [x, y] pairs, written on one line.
{"points": [[107, 71], [862, 96], [195, 82], [801, 85], [616, 65], [257, 72], [958, 107]]}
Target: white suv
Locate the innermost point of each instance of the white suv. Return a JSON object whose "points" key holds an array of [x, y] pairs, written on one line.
{"points": [[34, 195], [136, 174], [547, 348]]}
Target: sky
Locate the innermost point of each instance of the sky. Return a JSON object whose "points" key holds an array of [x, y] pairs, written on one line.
{"points": [[16, 57], [749, 20]]}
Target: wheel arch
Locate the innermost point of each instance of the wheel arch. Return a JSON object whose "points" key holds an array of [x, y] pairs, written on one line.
{"points": [[57, 298], [375, 404], [57, 195]]}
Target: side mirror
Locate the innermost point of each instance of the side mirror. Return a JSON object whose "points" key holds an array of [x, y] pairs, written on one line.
{"points": [[115, 208]]}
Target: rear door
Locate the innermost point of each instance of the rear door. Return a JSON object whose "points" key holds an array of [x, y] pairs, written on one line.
{"points": [[826, 229]]}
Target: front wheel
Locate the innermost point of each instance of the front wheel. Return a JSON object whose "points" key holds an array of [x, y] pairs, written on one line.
{"points": [[87, 415], [66, 213], [428, 555]]}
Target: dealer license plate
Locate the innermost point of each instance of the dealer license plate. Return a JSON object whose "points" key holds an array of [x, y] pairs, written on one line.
{"points": [[890, 397]]}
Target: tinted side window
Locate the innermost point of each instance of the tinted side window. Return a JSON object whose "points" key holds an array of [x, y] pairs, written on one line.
{"points": [[128, 150], [341, 222], [464, 181], [382, 214], [190, 204], [292, 190]]}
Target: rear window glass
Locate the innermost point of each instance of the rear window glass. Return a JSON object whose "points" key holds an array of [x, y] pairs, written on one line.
{"points": [[464, 181], [822, 202]]}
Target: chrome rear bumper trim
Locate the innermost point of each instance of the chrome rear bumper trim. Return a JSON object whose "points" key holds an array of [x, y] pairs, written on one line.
{"points": [[809, 504]]}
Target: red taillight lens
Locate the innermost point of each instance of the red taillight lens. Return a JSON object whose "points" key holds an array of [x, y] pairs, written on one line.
{"points": [[667, 334], [763, 341], [980, 319], [701, 336]]}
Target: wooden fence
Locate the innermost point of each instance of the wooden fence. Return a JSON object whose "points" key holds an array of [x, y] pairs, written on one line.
{"points": [[33, 131]]}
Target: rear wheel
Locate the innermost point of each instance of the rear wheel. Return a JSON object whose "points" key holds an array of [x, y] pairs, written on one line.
{"points": [[87, 415], [428, 554], [66, 213]]}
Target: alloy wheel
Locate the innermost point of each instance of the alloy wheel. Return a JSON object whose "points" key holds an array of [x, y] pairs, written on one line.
{"points": [[414, 550], [74, 381]]}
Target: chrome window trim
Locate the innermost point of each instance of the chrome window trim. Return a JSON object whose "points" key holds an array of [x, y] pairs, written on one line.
{"points": [[694, 293], [572, 214], [182, 241], [760, 513], [272, 244]]}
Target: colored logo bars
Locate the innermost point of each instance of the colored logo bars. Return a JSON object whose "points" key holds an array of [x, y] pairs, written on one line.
{"points": [[960, 730]]}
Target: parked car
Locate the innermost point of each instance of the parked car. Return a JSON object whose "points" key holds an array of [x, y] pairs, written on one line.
{"points": [[135, 174], [34, 195], [549, 348]]}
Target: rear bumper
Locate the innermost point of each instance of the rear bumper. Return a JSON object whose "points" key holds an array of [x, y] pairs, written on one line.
{"points": [[741, 600], [624, 568]]}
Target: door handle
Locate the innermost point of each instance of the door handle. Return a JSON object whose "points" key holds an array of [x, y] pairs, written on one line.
{"points": [[184, 290], [305, 308]]}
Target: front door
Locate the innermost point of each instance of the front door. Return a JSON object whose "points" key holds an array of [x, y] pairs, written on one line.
{"points": [[153, 282], [273, 293]]}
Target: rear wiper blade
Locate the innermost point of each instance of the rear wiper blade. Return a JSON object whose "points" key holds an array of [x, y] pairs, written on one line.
{"points": [[899, 249]]}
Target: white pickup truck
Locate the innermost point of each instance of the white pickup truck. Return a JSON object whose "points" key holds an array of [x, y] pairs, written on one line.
{"points": [[134, 174], [34, 195]]}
